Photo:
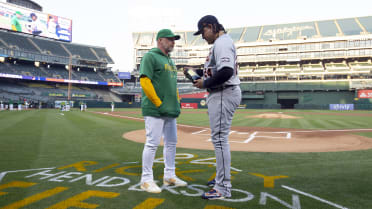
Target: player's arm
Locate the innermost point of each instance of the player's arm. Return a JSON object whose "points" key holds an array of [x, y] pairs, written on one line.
{"points": [[199, 72], [219, 77], [178, 96], [149, 90]]}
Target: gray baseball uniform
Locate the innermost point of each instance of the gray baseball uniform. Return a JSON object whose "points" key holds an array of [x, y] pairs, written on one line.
{"points": [[222, 103]]}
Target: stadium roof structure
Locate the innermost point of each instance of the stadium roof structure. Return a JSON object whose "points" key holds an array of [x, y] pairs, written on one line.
{"points": [[281, 32]]}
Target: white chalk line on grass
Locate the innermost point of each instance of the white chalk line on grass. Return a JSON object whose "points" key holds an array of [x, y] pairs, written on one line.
{"points": [[334, 130], [189, 126], [314, 197], [141, 119]]}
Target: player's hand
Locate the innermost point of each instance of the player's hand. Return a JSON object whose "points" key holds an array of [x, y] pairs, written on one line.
{"points": [[198, 83], [184, 70]]}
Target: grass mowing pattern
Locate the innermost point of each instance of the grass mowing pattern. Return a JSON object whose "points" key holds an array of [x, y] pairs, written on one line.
{"points": [[46, 138]]}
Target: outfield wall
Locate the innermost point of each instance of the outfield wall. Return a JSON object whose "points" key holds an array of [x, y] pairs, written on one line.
{"points": [[301, 95]]}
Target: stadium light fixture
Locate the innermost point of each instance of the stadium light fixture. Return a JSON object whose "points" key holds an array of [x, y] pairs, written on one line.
{"points": [[2, 59], [37, 64], [66, 66], [48, 66]]}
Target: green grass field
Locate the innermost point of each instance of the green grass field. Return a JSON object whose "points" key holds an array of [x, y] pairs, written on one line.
{"points": [[80, 160]]}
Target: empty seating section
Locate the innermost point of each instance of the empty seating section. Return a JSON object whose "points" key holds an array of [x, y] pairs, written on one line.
{"points": [[269, 32], [146, 39], [28, 70], [245, 71], [182, 40], [54, 47], [27, 43], [336, 67], [327, 28], [366, 22], [2, 45], [349, 26], [57, 72], [251, 34], [235, 33], [200, 41], [4, 68], [308, 29], [20, 41], [102, 53], [83, 51], [288, 68], [190, 38], [288, 31], [90, 74], [109, 76], [264, 70], [135, 38], [360, 66], [312, 68]]}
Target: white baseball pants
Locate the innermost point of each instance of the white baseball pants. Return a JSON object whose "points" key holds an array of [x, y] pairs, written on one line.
{"points": [[155, 129]]}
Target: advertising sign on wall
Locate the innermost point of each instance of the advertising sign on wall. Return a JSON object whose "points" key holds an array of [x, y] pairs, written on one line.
{"points": [[189, 105], [34, 22], [124, 75], [341, 106], [365, 94]]}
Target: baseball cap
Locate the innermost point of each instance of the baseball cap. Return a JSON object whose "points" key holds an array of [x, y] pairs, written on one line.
{"points": [[204, 21], [18, 12], [166, 33]]}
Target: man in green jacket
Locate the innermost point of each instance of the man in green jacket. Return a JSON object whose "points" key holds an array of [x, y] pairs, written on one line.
{"points": [[160, 108], [16, 25]]}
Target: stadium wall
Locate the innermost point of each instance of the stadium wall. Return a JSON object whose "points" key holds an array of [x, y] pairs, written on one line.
{"points": [[310, 95]]}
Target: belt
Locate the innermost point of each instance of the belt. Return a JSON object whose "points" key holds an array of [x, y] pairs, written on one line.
{"points": [[217, 89]]}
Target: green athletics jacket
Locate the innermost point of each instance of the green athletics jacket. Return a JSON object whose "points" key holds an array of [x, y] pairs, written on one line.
{"points": [[162, 72]]}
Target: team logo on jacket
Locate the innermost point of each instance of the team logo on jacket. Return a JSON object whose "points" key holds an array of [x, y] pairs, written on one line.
{"points": [[225, 59]]}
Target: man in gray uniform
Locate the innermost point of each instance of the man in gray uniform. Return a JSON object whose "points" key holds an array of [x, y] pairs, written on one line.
{"points": [[220, 78]]}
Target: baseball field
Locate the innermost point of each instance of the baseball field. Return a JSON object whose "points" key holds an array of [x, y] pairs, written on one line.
{"points": [[307, 159]]}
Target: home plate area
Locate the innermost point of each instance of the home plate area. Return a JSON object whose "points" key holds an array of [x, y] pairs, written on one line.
{"points": [[261, 139]]}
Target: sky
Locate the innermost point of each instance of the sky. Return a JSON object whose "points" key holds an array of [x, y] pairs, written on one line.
{"points": [[110, 23]]}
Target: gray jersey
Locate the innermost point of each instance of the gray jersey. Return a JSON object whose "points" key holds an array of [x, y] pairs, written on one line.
{"points": [[222, 54]]}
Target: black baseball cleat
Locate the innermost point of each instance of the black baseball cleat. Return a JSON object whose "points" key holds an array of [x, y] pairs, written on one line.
{"points": [[211, 183]]}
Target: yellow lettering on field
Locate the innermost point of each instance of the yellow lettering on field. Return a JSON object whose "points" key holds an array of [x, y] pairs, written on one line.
{"points": [[212, 176], [180, 174], [76, 201], [79, 166], [149, 203], [187, 178], [35, 198], [121, 170], [21, 184], [216, 207], [269, 181], [107, 167]]}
